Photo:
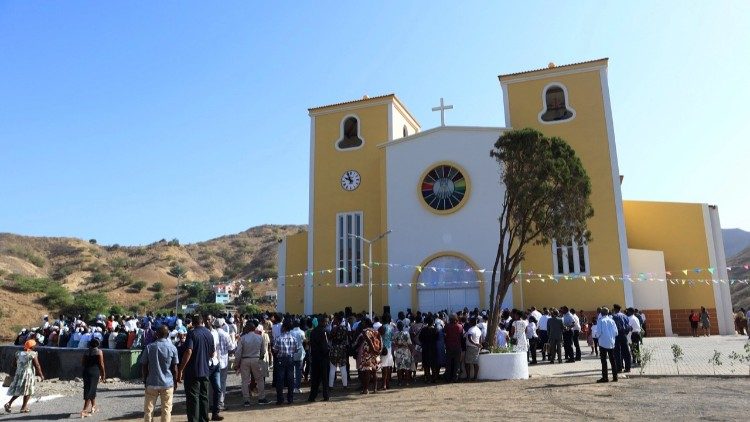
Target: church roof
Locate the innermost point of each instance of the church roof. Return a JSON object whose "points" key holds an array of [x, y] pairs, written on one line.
{"points": [[442, 128], [554, 68], [366, 99], [363, 99]]}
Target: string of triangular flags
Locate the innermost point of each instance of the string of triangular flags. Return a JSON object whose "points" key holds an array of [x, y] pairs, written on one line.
{"points": [[527, 276]]}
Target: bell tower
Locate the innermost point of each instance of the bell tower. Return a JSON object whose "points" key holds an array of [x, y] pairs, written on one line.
{"points": [[572, 102], [347, 198]]}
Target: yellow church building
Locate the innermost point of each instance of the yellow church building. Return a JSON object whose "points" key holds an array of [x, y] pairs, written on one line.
{"points": [[425, 203]]}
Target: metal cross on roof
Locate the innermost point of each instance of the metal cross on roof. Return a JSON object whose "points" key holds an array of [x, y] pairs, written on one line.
{"points": [[442, 109]]}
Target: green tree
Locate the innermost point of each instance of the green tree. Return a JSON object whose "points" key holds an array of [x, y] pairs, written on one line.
{"points": [[88, 305], [211, 308], [117, 310], [177, 271], [92, 241], [197, 291], [250, 310], [158, 286], [57, 297], [137, 286], [247, 296], [546, 197]]}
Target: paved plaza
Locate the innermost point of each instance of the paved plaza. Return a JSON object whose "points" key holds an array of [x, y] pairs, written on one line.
{"points": [[567, 390], [697, 352]]}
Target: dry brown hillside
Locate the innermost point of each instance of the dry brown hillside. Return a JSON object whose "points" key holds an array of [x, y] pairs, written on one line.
{"points": [[82, 266], [740, 291]]}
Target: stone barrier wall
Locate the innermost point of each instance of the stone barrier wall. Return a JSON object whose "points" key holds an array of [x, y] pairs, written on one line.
{"points": [[65, 363]]}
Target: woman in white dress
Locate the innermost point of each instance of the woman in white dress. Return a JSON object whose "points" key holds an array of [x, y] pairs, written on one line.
{"points": [[518, 335]]}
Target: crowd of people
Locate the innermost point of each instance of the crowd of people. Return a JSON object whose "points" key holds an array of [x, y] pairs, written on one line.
{"points": [[201, 350]]}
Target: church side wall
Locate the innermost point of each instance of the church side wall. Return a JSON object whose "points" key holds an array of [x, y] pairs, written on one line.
{"points": [[295, 262], [679, 230]]}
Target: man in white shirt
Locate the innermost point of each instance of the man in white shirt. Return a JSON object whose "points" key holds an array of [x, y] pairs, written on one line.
{"points": [[543, 337], [536, 314], [299, 356], [635, 336], [576, 334], [483, 328]]}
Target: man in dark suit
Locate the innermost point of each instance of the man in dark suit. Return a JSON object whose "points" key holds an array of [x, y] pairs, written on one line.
{"points": [[319, 360]]}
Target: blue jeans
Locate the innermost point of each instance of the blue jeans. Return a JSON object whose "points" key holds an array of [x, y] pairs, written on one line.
{"points": [[214, 377], [284, 367], [297, 373]]}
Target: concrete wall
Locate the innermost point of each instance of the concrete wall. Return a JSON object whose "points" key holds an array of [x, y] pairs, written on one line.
{"points": [[65, 363], [651, 295]]}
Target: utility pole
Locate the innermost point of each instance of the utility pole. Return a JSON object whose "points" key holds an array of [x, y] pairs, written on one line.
{"points": [[369, 265]]}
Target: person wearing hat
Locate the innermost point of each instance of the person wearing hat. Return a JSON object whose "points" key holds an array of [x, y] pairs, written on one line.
{"points": [[24, 381]]}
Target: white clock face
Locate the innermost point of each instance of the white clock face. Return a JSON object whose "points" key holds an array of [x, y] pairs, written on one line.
{"points": [[350, 180]]}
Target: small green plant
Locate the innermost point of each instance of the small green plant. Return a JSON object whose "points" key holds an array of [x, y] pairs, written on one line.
{"points": [[116, 310], [23, 284], [137, 286], [158, 286], [715, 360], [741, 358], [158, 296], [677, 355], [92, 241], [57, 297], [498, 349], [645, 356]]}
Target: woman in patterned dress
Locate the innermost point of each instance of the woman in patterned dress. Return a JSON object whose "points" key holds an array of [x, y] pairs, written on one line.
{"points": [[370, 344], [402, 351], [24, 380], [339, 351]]}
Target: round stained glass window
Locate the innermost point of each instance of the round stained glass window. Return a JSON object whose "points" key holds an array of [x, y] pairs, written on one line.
{"points": [[444, 188]]}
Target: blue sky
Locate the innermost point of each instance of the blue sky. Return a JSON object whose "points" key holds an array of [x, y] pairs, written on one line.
{"points": [[136, 121]]}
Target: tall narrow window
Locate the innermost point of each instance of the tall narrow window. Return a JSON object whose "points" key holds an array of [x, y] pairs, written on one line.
{"points": [[570, 258], [349, 248], [556, 107], [405, 131], [350, 134]]}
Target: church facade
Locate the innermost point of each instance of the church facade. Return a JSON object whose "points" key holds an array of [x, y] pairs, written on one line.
{"points": [[418, 209]]}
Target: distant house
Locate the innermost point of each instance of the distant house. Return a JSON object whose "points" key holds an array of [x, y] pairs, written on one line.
{"points": [[228, 292], [271, 295]]}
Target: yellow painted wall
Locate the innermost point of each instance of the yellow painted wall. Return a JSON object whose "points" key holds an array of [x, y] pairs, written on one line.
{"points": [[678, 229], [330, 199], [296, 263], [587, 134]]}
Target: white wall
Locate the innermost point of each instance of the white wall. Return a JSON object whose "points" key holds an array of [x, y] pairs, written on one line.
{"points": [[722, 298], [650, 294], [397, 124], [418, 233], [281, 288]]}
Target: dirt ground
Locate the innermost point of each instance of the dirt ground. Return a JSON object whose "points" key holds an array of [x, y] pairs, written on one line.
{"points": [[579, 398]]}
